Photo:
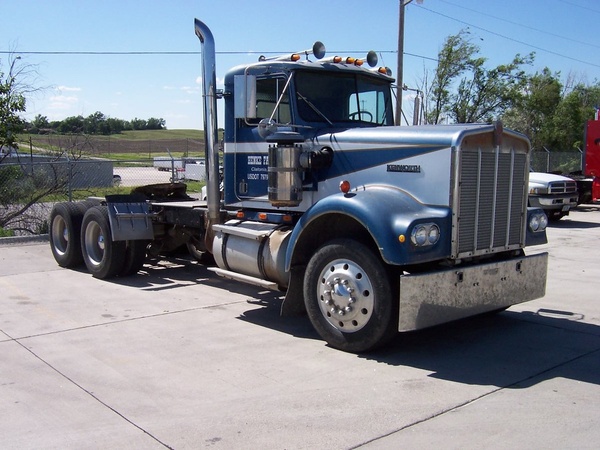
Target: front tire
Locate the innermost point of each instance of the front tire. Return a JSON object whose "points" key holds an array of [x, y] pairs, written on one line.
{"points": [[349, 297], [103, 257]]}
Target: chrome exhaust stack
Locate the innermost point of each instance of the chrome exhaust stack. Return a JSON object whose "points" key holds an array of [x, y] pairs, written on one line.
{"points": [[211, 137]]}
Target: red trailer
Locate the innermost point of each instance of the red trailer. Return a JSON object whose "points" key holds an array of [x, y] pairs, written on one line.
{"points": [[591, 167]]}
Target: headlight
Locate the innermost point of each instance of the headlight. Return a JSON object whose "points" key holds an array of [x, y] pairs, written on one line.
{"points": [[425, 234], [538, 191], [538, 222]]}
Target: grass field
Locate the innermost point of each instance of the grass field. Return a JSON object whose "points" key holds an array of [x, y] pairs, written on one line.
{"points": [[126, 145]]}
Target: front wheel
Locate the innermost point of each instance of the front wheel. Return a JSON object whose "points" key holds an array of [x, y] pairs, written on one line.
{"points": [[349, 297]]}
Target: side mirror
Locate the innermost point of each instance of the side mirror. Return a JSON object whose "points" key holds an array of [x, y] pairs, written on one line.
{"points": [[245, 96]]}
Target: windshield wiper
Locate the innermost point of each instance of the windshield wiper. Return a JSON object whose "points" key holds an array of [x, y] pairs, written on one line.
{"points": [[314, 108]]}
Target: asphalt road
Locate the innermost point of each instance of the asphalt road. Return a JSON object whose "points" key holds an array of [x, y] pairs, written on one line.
{"points": [[178, 358]]}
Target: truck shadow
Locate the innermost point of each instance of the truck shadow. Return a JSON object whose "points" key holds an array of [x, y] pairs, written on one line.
{"points": [[502, 350]]}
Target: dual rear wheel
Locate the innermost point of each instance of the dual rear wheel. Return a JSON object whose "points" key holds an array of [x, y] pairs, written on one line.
{"points": [[80, 233]]}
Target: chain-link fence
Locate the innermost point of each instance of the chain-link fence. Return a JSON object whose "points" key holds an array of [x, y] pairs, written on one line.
{"points": [[30, 185], [563, 162]]}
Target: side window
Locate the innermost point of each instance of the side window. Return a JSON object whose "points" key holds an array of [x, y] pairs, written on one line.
{"points": [[268, 92]]}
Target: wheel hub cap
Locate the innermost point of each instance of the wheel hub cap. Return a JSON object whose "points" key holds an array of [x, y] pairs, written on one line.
{"points": [[346, 296]]}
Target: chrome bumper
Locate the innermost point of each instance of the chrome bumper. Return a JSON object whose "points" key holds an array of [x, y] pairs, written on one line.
{"points": [[443, 296]]}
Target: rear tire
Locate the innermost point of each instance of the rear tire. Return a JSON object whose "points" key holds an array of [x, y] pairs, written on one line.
{"points": [[65, 229], [135, 256], [103, 257], [349, 298]]}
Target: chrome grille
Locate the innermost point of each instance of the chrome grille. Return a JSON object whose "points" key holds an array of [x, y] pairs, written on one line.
{"points": [[491, 201], [562, 187]]}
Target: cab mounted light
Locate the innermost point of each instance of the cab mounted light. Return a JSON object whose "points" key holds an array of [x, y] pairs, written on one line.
{"points": [[345, 186]]}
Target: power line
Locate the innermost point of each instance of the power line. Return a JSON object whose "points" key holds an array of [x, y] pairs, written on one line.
{"points": [[235, 52], [580, 6], [521, 25], [509, 38]]}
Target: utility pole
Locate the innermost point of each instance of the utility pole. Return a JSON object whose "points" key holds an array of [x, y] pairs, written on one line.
{"points": [[399, 77]]}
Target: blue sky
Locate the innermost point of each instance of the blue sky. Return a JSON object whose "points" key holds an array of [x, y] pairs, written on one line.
{"points": [[563, 33]]}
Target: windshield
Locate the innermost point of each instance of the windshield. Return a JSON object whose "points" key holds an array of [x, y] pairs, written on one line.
{"points": [[343, 97]]}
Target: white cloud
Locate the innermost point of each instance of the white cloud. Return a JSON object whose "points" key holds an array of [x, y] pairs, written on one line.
{"points": [[62, 102], [190, 89], [68, 89]]}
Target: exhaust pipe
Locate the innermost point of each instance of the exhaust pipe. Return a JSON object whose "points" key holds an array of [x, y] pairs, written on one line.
{"points": [[211, 137]]}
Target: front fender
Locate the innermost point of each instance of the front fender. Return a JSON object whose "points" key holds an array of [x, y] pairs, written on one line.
{"points": [[388, 214], [535, 237]]}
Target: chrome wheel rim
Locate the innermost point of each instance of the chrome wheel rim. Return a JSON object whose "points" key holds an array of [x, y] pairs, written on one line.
{"points": [[346, 295]]}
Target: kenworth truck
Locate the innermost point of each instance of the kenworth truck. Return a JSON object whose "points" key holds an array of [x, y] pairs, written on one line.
{"points": [[368, 227]]}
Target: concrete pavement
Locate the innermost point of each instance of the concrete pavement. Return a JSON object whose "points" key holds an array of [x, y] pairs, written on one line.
{"points": [[176, 357]]}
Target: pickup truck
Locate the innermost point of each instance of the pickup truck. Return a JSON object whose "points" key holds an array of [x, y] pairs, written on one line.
{"points": [[555, 194]]}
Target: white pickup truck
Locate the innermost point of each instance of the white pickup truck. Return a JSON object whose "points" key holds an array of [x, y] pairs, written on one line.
{"points": [[555, 194]]}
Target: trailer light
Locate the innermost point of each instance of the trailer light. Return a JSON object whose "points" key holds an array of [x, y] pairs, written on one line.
{"points": [[350, 60], [425, 234], [382, 70], [337, 59], [295, 57], [358, 62], [345, 186]]}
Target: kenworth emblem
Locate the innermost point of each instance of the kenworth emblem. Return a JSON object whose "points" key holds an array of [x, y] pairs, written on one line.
{"points": [[413, 168]]}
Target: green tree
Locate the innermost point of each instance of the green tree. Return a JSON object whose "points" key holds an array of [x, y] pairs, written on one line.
{"points": [[533, 115], [465, 90], [12, 104], [453, 61], [155, 124], [39, 122]]}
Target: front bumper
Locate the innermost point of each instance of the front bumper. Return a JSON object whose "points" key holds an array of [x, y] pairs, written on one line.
{"points": [[554, 202], [443, 296]]}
